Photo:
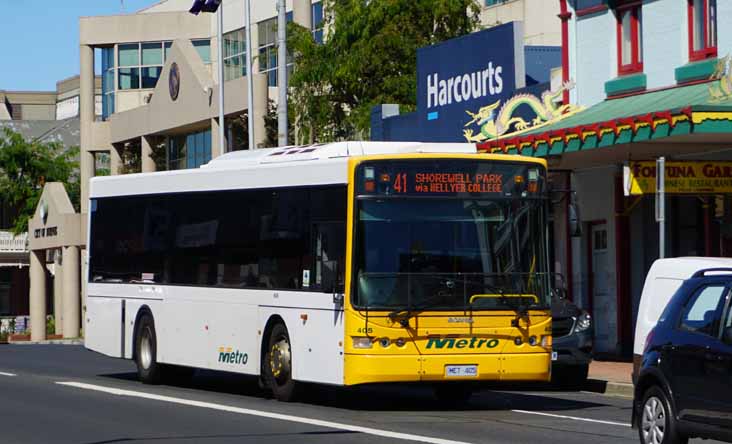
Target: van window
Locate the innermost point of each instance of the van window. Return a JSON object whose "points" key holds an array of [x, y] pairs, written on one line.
{"points": [[701, 313]]}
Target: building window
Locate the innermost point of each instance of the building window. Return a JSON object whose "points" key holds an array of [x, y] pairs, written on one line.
{"points": [[702, 29], [235, 53], [630, 37], [189, 151], [140, 64], [494, 2], [268, 49], [203, 48], [318, 22], [128, 56], [107, 82]]}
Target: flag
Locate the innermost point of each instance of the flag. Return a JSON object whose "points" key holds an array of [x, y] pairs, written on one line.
{"points": [[197, 6], [211, 5]]}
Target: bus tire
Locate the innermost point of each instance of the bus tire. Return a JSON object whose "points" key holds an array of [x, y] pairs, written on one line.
{"points": [[453, 395], [146, 349], [277, 365]]}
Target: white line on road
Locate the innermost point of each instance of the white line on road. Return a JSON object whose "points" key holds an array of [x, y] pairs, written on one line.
{"points": [[278, 416], [7, 374], [575, 418]]}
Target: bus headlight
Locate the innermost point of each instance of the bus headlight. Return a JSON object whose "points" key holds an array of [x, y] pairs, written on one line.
{"points": [[584, 322], [532, 340], [400, 342], [546, 341], [362, 342], [385, 342]]}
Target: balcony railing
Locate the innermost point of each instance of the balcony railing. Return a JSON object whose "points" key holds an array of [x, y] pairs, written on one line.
{"points": [[10, 243]]}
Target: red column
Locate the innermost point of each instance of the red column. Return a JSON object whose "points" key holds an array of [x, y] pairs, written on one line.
{"points": [[622, 269], [707, 208], [568, 240]]}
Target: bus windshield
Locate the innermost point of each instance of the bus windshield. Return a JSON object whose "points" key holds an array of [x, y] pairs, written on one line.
{"points": [[451, 253]]}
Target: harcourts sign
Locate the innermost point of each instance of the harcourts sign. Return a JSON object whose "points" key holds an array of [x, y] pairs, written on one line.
{"points": [[465, 74]]}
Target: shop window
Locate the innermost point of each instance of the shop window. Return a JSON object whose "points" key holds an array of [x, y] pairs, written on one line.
{"points": [[630, 37], [702, 29], [267, 31]]}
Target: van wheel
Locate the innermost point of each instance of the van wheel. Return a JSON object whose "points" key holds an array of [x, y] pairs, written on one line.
{"points": [[277, 365], [657, 420], [453, 395], [148, 369]]}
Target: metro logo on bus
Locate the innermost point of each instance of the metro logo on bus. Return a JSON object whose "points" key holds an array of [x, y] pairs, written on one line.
{"points": [[228, 356], [450, 343]]}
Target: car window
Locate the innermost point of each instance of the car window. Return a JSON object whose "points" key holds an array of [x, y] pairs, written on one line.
{"points": [[701, 313]]}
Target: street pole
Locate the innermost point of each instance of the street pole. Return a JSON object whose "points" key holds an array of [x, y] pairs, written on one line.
{"points": [[220, 38], [250, 74], [661, 205], [282, 74]]}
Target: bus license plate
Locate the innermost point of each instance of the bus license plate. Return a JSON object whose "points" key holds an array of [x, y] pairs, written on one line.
{"points": [[554, 356], [461, 371]]}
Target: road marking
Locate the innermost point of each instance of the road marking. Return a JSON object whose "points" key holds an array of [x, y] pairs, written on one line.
{"points": [[263, 414], [7, 374], [599, 421]]}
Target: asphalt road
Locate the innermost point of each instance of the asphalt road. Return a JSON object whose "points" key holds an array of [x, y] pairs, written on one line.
{"points": [[66, 394]]}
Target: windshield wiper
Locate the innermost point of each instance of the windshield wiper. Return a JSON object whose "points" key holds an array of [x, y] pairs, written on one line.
{"points": [[405, 314]]}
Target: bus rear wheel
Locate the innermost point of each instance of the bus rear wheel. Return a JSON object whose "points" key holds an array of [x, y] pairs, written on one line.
{"points": [[277, 365], [148, 369]]}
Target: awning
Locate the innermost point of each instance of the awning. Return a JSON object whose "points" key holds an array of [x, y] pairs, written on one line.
{"points": [[680, 111]]}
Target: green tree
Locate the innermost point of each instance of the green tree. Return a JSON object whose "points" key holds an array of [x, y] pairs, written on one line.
{"points": [[25, 166], [369, 57]]}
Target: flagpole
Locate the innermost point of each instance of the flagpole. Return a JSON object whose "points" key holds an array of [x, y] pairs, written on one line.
{"points": [[220, 38], [250, 74]]}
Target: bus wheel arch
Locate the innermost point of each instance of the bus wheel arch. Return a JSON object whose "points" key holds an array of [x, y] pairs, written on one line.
{"points": [[143, 310], [145, 347], [277, 349]]}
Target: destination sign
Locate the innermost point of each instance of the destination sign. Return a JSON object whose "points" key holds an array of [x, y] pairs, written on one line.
{"points": [[449, 177]]}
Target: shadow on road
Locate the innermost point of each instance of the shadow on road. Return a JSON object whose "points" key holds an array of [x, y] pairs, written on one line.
{"points": [[197, 438], [386, 397]]}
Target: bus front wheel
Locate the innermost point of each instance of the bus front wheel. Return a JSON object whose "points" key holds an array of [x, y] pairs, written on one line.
{"points": [[148, 369], [277, 365]]}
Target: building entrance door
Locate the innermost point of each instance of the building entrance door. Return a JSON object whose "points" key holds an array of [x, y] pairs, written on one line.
{"points": [[603, 307]]}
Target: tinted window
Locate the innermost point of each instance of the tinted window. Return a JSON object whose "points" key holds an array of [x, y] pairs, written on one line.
{"points": [[701, 313], [276, 238]]}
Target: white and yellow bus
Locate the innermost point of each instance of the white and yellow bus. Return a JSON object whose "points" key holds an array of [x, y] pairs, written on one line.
{"points": [[342, 264]]}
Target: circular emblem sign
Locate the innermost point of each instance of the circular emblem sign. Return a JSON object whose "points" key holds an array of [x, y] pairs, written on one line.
{"points": [[174, 81]]}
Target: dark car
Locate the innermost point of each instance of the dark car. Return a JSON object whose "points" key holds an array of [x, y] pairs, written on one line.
{"points": [[683, 385], [572, 334]]}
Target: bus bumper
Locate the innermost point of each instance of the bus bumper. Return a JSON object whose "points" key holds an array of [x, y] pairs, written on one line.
{"points": [[362, 369]]}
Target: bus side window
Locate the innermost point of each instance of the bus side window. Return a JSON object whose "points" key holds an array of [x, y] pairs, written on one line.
{"points": [[330, 244]]}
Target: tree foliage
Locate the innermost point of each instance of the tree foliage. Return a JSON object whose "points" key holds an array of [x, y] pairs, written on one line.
{"points": [[369, 57], [25, 166]]}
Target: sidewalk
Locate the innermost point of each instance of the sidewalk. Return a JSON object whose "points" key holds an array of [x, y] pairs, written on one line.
{"points": [[611, 378], [50, 341]]}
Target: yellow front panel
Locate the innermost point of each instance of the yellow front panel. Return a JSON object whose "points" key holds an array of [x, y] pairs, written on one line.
{"points": [[488, 343], [432, 340]]}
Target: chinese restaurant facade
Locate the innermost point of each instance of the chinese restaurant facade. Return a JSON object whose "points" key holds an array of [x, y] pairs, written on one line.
{"points": [[663, 92]]}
